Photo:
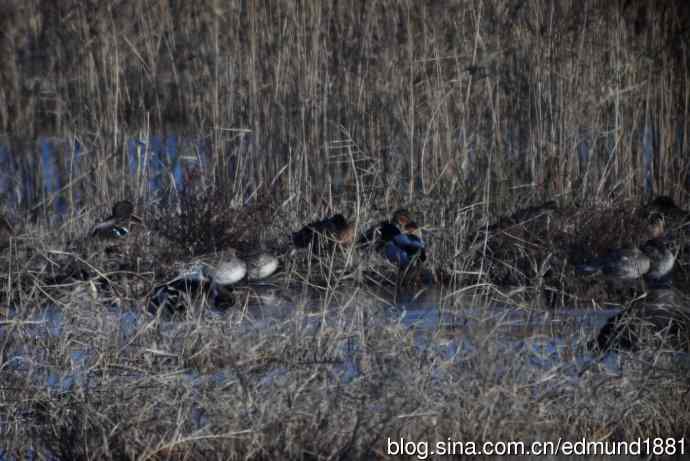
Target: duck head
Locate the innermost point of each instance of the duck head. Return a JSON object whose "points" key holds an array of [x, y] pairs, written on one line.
{"points": [[124, 211], [656, 225], [401, 217]]}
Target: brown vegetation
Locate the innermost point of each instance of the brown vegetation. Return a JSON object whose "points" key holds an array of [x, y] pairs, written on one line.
{"points": [[522, 137]]}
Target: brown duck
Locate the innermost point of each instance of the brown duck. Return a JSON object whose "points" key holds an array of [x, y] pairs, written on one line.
{"points": [[332, 229]]}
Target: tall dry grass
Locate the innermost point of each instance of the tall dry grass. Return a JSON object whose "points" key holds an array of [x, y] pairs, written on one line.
{"points": [[390, 102]]}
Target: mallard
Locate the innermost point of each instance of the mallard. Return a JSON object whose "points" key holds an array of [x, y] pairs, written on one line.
{"points": [[200, 277], [333, 229], [654, 259], [383, 232], [624, 264], [117, 224], [404, 247]]}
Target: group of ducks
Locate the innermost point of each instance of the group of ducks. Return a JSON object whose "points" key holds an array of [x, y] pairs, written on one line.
{"points": [[660, 310], [398, 239]]}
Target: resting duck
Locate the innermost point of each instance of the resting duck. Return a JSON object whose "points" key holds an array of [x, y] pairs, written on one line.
{"points": [[653, 260], [117, 224], [214, 279], [403, 248], [623, 264], [201, 277], [332, 229], [664, 205], [260, 265], [383, 232]]}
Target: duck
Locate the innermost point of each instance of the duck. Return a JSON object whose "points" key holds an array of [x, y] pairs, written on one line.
{"points": [[200, 277], [664, 205], [117, 224], [260, 265], [660, 249], [623, 264], [380, 234], [335, 228], [662, 258], [404, 247], [654, 260]]}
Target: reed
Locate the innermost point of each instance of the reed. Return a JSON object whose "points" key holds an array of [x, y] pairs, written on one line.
{"points": [[281, 113], [585, 102]]}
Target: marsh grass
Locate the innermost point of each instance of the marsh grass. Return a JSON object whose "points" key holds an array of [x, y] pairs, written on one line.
{"points": [[341, 103], [328, 381], [468, 113], [331, 370]]}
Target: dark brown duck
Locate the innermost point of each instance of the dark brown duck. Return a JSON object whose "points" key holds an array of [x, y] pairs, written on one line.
{"points": [[118, 223]]}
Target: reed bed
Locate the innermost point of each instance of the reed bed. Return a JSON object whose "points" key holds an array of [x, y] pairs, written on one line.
{"points": [[441, 103], [320, 382], [324, 369], [472, 114]]}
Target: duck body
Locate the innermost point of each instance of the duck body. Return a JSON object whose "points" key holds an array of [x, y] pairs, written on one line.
{"points": [[334, 229], [624, 264], [227, 272], [404, 247], [260, 266], [653, 260], [200, 278], [380, 234], [117, 224], [661, 257]]}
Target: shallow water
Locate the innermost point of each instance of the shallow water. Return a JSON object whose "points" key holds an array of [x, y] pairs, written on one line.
{"points": [[552, 339]]}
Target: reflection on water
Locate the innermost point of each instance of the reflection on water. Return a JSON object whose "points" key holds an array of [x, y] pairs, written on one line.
{"points": [[159, 159]]}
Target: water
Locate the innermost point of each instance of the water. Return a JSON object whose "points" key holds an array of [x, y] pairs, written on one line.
{"points": [[549, 339]]}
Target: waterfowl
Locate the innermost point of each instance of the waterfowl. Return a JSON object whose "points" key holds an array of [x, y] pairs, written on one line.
{"points": [[654, 259], [117, 224], [260, 266], [383, 232], [333, 229], [623, 264], [662, 315], [660, 250], [227, 272], [404, 247], [661, 256], [201, 277], [665, 205]]}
